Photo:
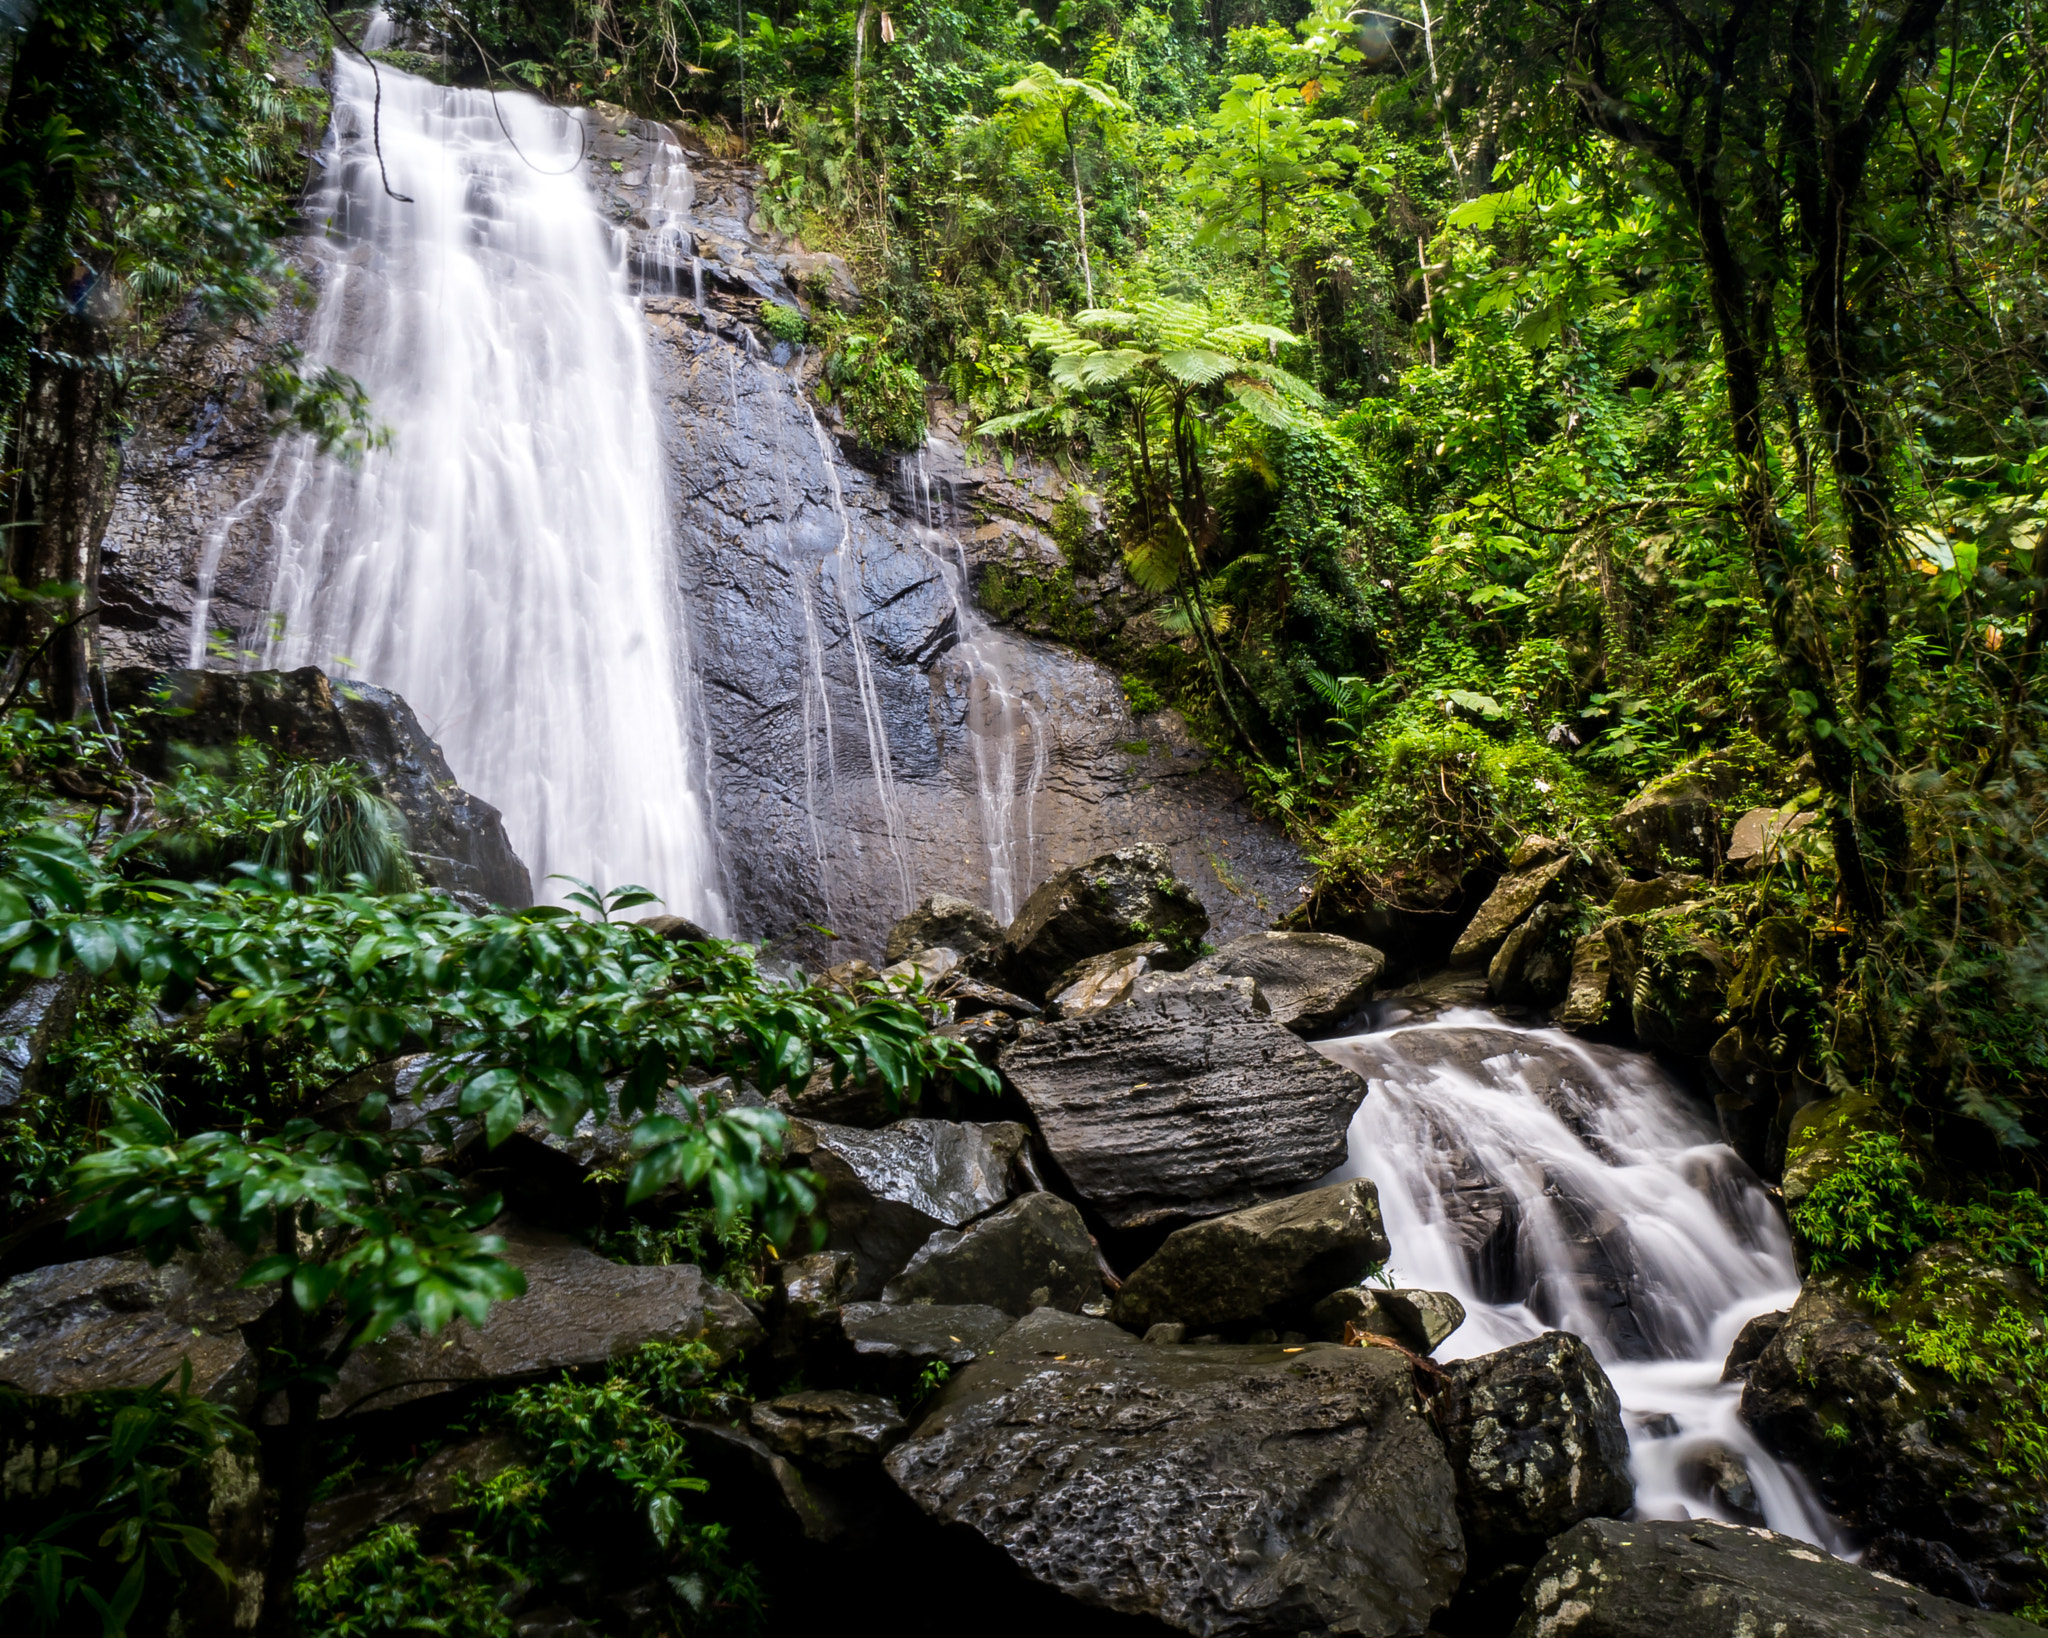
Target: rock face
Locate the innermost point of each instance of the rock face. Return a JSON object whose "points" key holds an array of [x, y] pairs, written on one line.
{"points": [[1153, 1117], [886, 1193], [942, 922], [1310, 980], [1898, 1451], [115, 1322], [1674, 817], [578, 1310], [1535, 1437], [1221, 1490], [1703, 1579], [786, 550], [1264, 1261], [457, 841], [1110, 903], [1034, 1253]]}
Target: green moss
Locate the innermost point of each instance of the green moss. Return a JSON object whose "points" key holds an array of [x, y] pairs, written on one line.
{"points": [[1141, 696], [785, 323], [1044, 605]]}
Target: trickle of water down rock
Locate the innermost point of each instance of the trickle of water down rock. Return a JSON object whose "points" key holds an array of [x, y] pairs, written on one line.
{"points": [[1554, 1184]]}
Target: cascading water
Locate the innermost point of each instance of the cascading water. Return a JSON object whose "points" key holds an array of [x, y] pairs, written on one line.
{"points": [[1002, 721], [505, 564], [1549, 1183]]}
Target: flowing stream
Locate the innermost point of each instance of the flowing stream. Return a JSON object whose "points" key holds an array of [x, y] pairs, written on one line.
{"points": [[1553, 1184], [506, 563]]}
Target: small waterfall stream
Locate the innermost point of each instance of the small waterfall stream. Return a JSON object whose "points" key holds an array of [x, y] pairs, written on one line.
{"points": [[1550, 1183], [507, 563]]}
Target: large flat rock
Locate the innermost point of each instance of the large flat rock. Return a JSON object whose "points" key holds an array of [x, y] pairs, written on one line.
{"points": [[1155, 1117], [1700, 1578], [578, 1310], [1221, 1490]]}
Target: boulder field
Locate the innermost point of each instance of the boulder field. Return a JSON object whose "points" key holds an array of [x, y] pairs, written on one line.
{"points": [[1109, 1352]]}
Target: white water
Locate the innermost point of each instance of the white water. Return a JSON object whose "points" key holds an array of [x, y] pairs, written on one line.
{"points": [[506, 563], [1553, 1184], [1003, 722]]}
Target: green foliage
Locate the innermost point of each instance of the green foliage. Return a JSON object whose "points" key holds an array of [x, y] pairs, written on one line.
{"points": [[2009, 1352], [785, 323], [140, 1472], [880, 393], [387, 1584], [1868, 1212]]}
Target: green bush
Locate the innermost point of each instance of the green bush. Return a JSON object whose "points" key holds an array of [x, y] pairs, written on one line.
{"points": [[785, 323], [1868, 1212], [880, 393]]}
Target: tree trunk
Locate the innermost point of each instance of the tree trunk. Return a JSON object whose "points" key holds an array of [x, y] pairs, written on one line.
{"points": [[1080, 205]]}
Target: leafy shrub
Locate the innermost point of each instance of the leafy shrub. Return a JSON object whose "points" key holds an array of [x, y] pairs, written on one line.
{"points": [[1868, 1212], [386, 1584], [785, 323], [879, 391]]}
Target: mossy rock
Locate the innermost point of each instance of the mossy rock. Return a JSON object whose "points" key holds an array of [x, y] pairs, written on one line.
{"points": [[1818, 1144]]}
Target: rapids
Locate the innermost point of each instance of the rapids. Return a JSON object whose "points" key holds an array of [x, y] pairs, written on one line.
{"points": [[1554, 1184]]}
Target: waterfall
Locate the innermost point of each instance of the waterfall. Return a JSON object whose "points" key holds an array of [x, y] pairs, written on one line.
{"points": [[1002, 721], [506, 563], [1550, 1183]]}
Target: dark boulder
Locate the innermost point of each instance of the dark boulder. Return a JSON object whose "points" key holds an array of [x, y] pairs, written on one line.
{"points": [[1533, 965], [457, 841], [37, 1015], [1113, 901], [437, 1492], [1034, 1253], [1155, 1114], [579, 1310], [1535, 1437], [115, 1322], [1675, 817], [1900, 1452], [901, 1339], [830, 1427], [1268, 1260], [1699, 1578], [887, 1192], [970, 997], [676, 929], [1750, 1342], [1220, 1490], [1421, 1320], [942, 921], [1310, 980], [809, 1292]]}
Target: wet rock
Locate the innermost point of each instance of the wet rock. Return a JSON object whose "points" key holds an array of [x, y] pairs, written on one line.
{"points": [[1535, 1437], [1674, 817], [1267, 1260], [1750, 1342], [457, 841], [1896, 1450], [36, 1015], [944, 920], [1699, 1578], [809, 1292], [916, 1334], [1101, 981], [1518, 892], [1533, 963], [830, 1427], [676, 929], [1224, 1491], [1110, 903], [1198, 998], [579, 1310], [1719, 1474], [1310, 980], [1421, 1320], [115, 1322], [886, 1193], [1165, 1335], [924, 967], [1034, 1253], [736, 1463], [1154, 1117]]}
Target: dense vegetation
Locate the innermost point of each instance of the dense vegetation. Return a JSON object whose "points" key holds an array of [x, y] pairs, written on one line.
{"points": [[1486, 415]]}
